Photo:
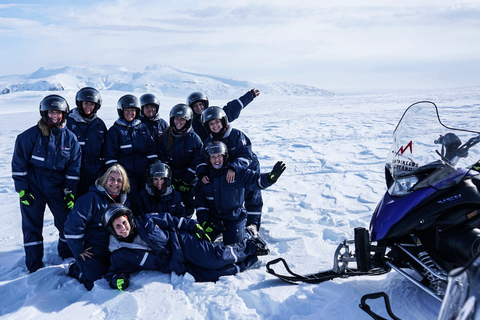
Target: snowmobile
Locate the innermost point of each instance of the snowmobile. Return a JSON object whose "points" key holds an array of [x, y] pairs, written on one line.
{"points": [[463, 293], [428, 221]]}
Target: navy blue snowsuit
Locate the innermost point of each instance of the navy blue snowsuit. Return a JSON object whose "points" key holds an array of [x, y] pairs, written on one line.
{"points": [[156, 126], [132, 146], [45, 165], [232, 110], [165, 243], [84, 229], [91, 135], [222, 203], [183, 157], [241, 157], [170, 201]]}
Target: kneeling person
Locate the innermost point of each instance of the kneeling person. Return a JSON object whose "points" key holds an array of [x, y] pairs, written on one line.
{"points": [[166, 243]]}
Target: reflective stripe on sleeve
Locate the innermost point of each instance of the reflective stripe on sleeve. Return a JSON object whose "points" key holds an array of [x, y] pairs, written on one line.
{"points": [[73, 236], [38, 158], [180, 222], [145, 256], [35, 243], [20, 173]]}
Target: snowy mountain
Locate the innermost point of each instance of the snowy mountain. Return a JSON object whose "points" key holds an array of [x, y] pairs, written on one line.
{"points": [[158, 79]]}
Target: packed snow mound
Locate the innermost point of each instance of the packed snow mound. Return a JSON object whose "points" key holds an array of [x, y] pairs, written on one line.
{"points": [[41, 85], [158, 79]]}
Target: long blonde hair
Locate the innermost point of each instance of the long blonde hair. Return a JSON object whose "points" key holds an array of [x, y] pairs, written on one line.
{"points": [[44, 129], [102, 181]]}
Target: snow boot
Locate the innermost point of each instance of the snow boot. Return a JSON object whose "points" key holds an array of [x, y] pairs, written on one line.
{"points": [[260, 244], [252, 228]]}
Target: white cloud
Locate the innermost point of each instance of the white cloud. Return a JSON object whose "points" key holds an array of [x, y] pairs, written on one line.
{"points": [[248, 39]]}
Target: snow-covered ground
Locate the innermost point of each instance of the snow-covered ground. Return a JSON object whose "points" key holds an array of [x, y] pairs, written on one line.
{"points": [[334, 148]]}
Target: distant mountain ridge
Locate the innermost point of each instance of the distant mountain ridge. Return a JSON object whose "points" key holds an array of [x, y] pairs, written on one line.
{"points": [[158, 79]]}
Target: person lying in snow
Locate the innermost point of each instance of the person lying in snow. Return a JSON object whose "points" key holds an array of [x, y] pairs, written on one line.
{"points": [[166, 243]]}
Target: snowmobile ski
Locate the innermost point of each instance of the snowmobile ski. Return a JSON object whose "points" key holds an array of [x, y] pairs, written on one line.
{"points": [[295, 278]]}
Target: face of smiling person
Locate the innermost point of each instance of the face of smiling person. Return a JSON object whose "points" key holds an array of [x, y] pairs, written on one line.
{"points": [[121, 226], [158, 182], [114, 183], [216, 159], [88, 107], [215, 125], [55, 116], [179, 122], [149, 110], [198, 107], [129, 114]]}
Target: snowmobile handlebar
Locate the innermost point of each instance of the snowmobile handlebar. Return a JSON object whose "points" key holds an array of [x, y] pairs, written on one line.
{"points": [[452, 148]]}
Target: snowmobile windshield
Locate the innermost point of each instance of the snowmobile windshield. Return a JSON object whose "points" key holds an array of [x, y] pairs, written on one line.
{"points": [[425, 151]]}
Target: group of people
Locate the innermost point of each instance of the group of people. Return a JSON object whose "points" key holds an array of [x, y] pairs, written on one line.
{"points": [[123, 199]]}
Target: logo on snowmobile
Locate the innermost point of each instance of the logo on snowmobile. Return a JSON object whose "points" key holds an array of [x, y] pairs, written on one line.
{"points": [[450, 199], [404, 165], [403, 149]]}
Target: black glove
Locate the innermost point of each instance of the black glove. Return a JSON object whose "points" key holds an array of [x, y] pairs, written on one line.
{"points": [[200, 233], [69, 198], [476, 166], [120, 281], [184, 187], [276, 172], [26, 197], [180, 185], [208, 226]]}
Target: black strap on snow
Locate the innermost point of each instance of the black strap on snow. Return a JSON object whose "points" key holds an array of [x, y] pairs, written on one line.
{"points": [[365, 307], [319, 277], [295, 278]]}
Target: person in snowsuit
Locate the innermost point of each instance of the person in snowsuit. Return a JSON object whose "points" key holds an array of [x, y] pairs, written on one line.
{"points": [[90, 131], [181, 149], [130, 144], [219, 203], [85, 235], [46, 169], [240, 157], [149, 105], [158, 195], [165, 243], [198, 102]]}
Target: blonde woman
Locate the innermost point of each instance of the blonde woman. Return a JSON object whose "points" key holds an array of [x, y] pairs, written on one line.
{"points": [[84, 232]]}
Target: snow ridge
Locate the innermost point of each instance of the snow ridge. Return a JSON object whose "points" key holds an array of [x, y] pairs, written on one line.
{"points": [[158, 79]]}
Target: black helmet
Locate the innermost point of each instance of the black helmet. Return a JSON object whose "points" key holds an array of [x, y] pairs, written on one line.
{"points": [[114, 211], [54, 102], [197, 96], [128, 101], [149, 98], [216, 147], [159, 170], [214, 113], [88, 94], [181, 110]]}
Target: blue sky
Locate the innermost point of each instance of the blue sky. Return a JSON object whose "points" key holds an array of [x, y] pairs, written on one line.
{"points": [[334, 45]]}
